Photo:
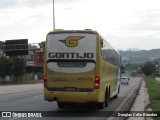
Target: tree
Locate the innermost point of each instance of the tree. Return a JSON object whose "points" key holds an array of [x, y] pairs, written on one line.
{"points": [[149, 69], [19, 67], [6, 65], [1, 45], [33, 46], [42, 44]]}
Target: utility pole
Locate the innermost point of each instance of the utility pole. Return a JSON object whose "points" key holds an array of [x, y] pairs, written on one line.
{"points": [[53, 16]]}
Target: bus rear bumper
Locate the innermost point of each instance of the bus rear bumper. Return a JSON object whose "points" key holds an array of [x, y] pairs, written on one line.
{"points": [[74, 97]]}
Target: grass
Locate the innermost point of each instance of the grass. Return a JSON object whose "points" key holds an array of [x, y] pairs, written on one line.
{"points": [[153, 87]]}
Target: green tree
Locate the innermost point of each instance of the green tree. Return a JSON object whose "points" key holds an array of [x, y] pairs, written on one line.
{"points": [[6, 65], [33, 46], [42, 44], [18, 67], [1, 43], [149, 69]]}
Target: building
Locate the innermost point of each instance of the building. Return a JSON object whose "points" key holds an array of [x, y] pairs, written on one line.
{"points": [[34, 63]]}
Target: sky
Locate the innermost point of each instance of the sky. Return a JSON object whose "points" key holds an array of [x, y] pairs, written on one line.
{"points": [[123, 23]]}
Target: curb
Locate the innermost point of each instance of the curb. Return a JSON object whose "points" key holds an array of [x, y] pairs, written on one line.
{"points": [[127, 103]]}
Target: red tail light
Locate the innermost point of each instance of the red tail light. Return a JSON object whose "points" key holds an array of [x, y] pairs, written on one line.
{"points": [[97, 82], [45, 80], [97, 79]]}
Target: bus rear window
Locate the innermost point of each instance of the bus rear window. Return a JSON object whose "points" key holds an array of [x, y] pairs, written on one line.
{"points": [[72, 64]]}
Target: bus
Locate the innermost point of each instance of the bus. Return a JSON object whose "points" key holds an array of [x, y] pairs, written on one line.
{"points": [[80, 67]]}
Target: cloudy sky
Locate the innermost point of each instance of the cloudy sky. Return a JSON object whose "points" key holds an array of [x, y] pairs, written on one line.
{"points": [[124, 23]]}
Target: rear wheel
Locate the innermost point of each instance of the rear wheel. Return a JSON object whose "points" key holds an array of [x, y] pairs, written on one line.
{"points": [[60, 104], [107, 98], [116, 96], [106, 101], [101, 105]]}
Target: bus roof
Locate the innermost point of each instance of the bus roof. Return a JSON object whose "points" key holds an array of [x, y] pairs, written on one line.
{"points": [[57, 31]]}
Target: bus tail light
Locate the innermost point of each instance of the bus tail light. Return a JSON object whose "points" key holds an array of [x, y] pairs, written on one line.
{"points": [[45, 80], [97, 82]]}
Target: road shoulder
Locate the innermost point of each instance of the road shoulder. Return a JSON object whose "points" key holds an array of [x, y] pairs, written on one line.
{"points": [[141, 103], [8, 89]]}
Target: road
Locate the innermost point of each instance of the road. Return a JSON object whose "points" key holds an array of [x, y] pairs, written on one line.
{"points": [[33, 101]]}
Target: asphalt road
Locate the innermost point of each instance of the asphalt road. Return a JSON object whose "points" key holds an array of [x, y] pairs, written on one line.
{"points": [[33, 101]]}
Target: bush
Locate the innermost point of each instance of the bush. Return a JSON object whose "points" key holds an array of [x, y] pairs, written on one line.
{"points": [[12, 66], [6, 67], [149, 69]]}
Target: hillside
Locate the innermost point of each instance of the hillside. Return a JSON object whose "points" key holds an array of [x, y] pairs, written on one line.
{"points": [[139, 56]]}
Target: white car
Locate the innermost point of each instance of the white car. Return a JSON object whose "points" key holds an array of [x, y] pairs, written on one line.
{"points": [[124, 80]]}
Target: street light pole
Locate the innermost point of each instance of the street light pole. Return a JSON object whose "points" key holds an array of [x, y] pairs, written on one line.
{"points": [[53, 16]]}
